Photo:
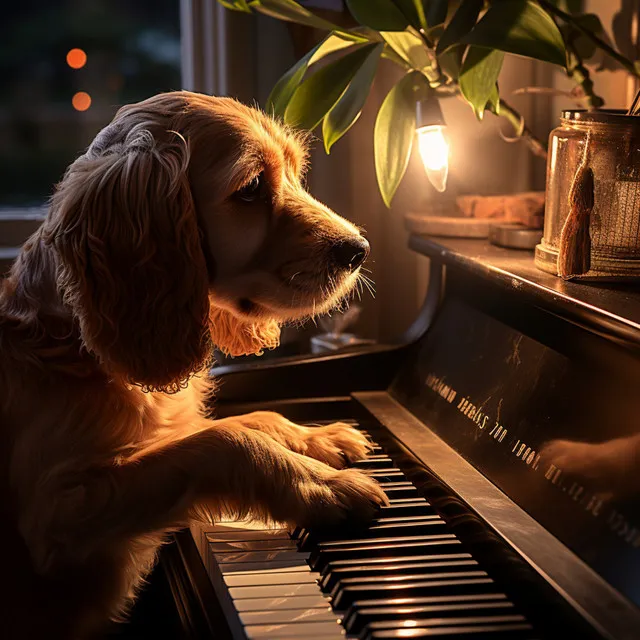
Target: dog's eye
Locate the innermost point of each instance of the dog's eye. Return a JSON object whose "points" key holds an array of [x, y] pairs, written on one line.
{"points": [[252, 190]]}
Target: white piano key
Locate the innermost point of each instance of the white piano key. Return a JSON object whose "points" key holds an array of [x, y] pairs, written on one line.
{"points": [[241, 534], [272, 591], [288, 615], [221, 546], [278, 603], [256, 579], [296, 630], [289, 564], [258, 556], [267, 568]]}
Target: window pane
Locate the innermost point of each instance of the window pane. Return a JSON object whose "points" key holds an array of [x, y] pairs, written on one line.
{"points": [[65, 68]]}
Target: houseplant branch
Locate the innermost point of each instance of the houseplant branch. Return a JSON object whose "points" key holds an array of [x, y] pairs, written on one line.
{"points": [[580, 75], [599, 42], [523, 132]]}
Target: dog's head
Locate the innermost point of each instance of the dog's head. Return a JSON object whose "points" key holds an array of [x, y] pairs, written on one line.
{"points": [[186, 223]]}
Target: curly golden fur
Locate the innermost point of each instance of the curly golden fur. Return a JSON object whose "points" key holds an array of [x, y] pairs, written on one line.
{"points": [[184, 225]]}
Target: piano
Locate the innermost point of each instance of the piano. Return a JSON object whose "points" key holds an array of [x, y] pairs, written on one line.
{"points": [[505, 432]]}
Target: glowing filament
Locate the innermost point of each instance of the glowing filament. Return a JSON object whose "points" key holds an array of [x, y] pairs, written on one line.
{"points": [[434, 151]]}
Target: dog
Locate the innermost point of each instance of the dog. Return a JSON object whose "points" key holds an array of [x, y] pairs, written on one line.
{"points": [[184, 225]]}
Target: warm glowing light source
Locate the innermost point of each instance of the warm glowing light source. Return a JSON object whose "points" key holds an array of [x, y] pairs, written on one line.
{"points": [[81, 101], [76, 58], [434, 151]]}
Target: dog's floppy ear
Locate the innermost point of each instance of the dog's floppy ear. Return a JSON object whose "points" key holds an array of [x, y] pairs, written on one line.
{"points": [[131, 264]]}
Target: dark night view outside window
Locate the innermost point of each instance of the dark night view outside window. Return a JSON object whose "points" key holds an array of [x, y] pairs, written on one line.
{"points": [[65, 68]]}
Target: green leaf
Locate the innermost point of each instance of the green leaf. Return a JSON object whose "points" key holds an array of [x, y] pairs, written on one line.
{"points": [[236, 5], [521, 27], [413, 11], [394, 132], [320, 91], [450, 61], [584, 46], [493, 103], [409, 47], [573, 6], [437, 12], [478, 76], [285, 87], [381, 15], [292, 12], [422, 18], [346, 111], [464, 19]]}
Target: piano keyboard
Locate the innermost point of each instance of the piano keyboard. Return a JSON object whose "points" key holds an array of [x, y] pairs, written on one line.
{"points": [[406, 575]]}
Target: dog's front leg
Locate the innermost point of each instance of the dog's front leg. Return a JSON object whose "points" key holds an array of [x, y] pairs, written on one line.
{"points": [[336, 444], [228, 466]]}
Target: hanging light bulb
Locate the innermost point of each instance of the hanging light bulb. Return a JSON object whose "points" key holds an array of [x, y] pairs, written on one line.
{"points": [[432, 142]]}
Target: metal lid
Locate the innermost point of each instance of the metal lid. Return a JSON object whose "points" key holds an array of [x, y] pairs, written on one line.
{"points": [[604, 116]]}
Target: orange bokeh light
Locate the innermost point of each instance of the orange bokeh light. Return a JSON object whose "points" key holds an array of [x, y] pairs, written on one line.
{"points": [[76, 58], [81, 101]]}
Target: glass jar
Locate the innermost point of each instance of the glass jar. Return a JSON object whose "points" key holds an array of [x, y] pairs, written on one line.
{"points": [[613, 154]]}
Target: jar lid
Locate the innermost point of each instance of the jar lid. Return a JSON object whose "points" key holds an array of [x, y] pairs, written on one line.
{"points": [[608, 116]]}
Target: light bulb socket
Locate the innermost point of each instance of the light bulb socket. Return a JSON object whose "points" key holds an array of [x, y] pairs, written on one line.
{"points": [[429, 113]]}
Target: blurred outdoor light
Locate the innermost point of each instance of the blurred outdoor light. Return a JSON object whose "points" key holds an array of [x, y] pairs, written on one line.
{"points": [[76, 58]]}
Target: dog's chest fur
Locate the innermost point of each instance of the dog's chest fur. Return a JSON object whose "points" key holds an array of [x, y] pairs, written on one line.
{"points": [[53, 445]]}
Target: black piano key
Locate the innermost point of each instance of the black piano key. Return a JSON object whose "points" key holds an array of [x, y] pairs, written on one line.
{"points": [[330, 578], [359, 617], [387, 475], [428, 601], [444, 543], [399, 509], [437, 556], [400, 527], [395, 483], [513, 631], [407, 491], [383, 540], [347, 594], [394, 578], [383, 463]]}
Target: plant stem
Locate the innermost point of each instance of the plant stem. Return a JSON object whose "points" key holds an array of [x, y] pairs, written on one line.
{"points": [[567, 17], [536, 146], [580, 75]]}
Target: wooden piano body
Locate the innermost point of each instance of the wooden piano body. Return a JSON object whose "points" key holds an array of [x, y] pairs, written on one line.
{"points": [[486, 406]]}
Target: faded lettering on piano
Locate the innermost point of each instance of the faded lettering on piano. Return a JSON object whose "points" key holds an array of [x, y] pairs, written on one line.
{"points": [[441, 388], [596, 504]]}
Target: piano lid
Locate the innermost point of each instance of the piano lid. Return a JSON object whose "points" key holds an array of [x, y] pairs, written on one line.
{"points": [[536, 382], [610, 310]]}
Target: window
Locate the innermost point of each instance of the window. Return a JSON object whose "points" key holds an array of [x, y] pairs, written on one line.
{"points": [[65, 68]]}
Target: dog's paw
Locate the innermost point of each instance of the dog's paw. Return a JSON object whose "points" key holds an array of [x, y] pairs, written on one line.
{"points": [[337, 444], [344, 495]]}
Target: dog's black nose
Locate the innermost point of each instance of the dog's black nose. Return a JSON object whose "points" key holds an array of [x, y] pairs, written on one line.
{"points": [[351, 253]]}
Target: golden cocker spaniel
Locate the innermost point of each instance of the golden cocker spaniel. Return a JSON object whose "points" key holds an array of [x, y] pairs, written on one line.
{"points": [[184, 225]]}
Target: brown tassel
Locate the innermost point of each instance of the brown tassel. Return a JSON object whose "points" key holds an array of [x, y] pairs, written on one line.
{"points": [[574, 255]]}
